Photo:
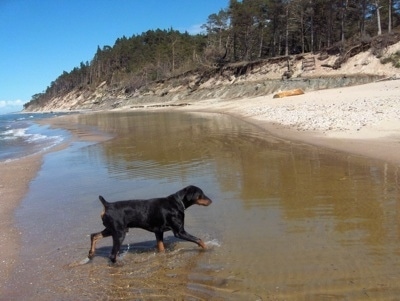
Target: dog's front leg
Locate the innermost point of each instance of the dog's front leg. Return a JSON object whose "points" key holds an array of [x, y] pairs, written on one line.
{"points": [[179, 232], [182, 234]]}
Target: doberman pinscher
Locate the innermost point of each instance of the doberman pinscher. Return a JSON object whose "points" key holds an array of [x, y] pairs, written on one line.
{"points": [[155, 215]]}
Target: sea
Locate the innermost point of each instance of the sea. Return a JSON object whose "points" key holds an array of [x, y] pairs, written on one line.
{"points": [[21, 135]]}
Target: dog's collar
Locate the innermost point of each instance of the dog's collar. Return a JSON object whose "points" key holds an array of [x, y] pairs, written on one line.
{"points": [[183, 205]]}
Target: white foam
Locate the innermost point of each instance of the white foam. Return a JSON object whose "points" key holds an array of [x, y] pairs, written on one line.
{"points": [[124, 251], [78, 263], [21, 133], [15, 133], [213, 243], [36, 137], [84, 261]]}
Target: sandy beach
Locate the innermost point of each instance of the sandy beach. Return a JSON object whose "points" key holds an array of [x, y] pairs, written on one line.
{"points": [[360, 120], [14, 183], [15, 178]]}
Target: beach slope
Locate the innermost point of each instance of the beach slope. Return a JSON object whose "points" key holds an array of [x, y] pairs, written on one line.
{"points": [[361, 119]]}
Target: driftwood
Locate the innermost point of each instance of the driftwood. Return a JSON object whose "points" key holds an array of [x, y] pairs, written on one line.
{"points": [[350, 53], [289, 93], [326, 66]]}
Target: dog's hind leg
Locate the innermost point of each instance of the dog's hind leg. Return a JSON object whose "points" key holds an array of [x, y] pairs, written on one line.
{"points": [[118, 238], [160, 241], [94, 237]]}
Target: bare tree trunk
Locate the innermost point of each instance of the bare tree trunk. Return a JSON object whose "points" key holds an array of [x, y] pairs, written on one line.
{"points": [[279, 45], [261, 42], [330, 27], [173, 55], [378, 17], [312, 30], [302, 32], [219, 39], [362, 23], [390, 17], [234, 46], [287, 31], [344, 9]]}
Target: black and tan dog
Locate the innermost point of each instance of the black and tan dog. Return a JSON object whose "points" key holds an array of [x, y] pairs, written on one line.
{"points": [[155, 215]]}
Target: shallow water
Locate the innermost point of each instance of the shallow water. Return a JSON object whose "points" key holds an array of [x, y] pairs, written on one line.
{"points": [[20, 136], [288, 221]]}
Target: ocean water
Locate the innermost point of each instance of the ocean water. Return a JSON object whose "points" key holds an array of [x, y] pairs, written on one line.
{"points": [[21, 135]]}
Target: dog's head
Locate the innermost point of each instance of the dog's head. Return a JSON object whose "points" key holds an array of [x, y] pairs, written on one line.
{"points": [[194, 195]]}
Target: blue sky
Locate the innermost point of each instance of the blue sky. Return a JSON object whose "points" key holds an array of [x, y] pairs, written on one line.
{"points": [[42, 38]]}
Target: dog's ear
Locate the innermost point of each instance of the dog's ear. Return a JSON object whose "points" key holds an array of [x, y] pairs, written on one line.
{"points": [[192, 192]]}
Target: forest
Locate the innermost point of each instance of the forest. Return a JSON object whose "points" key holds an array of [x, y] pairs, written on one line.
{"points": [[246, 30]]}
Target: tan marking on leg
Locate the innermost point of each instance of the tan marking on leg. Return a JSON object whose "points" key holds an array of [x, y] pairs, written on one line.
{"points": [[160, 246], [94, 238], [202, 244]]}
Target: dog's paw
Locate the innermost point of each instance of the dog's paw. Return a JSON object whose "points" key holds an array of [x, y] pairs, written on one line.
{"points": [[116, 264]]}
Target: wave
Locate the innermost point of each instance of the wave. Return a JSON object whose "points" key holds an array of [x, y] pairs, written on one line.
{"points": [[16, 143], [14, 134], [21, 136]]}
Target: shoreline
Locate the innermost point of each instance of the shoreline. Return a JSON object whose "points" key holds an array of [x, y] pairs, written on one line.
{"points": [[15, 178], [361, 120], [383, 149]]}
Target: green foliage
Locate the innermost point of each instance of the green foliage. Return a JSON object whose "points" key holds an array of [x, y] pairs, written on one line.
{"points": [[245, 30], [151, 56], [394, 59]]}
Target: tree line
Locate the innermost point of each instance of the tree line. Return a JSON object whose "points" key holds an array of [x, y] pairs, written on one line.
{"points": [[262, 28], [244, 31]]}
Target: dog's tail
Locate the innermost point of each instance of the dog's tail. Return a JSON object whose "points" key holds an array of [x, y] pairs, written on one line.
{"points": [[103, 201], [105, 205]]}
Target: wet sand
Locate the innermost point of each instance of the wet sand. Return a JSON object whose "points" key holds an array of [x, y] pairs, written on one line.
{"points": [[15, 178], [14, 184]]}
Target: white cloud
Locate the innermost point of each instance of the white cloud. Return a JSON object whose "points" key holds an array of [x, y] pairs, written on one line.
{"points": [[195, 29], [11, 105]]}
